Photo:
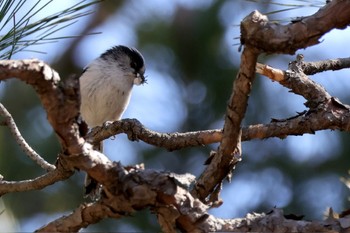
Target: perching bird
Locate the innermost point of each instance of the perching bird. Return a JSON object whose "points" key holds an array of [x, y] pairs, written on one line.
{"points": [[105, 88]]}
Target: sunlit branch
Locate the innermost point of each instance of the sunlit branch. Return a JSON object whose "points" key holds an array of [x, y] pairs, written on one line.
{"points": [[297, 82]]}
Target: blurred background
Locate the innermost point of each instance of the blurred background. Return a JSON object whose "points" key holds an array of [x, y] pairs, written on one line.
{"points": [[192, 53]]}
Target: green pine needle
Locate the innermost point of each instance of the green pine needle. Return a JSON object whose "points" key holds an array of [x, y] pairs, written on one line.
{"points": [[17, 33]]}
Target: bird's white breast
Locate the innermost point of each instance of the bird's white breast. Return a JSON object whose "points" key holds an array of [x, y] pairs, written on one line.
{"points": [[105, 93]]}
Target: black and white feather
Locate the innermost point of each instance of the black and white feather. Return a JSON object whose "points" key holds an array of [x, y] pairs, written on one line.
{"points": [[105, 89], [106, 84]]}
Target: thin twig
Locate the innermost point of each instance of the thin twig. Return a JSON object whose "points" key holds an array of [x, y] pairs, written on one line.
{"points": [[171, 141], [311, 68], [30, 152], [35, 184]]}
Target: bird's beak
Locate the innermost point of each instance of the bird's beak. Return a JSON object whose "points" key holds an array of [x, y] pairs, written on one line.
{"points": [[140, 79]]}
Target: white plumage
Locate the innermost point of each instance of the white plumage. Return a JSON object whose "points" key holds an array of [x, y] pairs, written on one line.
{"points": [[106, 85], [104, 98], [105, 89]]}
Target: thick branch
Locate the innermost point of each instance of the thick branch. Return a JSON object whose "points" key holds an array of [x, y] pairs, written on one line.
{"points": [[167, 194], [60, 100], [223, 162], [270, 37]]}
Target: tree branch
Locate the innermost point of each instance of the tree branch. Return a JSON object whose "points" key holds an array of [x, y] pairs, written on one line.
{"points": [[306, 123], [167, 194], [136, 131], [60, 173], [60, 100], [297, 81], [270, 37], [83, 216], [311, 68], [229, 151], [30, 152], [130, 189]]}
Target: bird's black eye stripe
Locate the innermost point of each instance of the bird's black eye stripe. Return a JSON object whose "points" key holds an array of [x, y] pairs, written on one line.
{"points": [[133, 65], [137, 61]]}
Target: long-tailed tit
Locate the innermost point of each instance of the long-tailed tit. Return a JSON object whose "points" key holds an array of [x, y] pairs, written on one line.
{"points": [[106, 84], [105, 87]]}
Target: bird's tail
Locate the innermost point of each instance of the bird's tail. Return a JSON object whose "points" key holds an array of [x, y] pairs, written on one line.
{"points": [[92, 187]]}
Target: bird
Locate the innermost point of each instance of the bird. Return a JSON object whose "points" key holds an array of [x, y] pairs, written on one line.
{"points": [[105, 90], [106, 84]]}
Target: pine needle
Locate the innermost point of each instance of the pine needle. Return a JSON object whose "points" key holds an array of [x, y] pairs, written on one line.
{"points": [[17, 34]]}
